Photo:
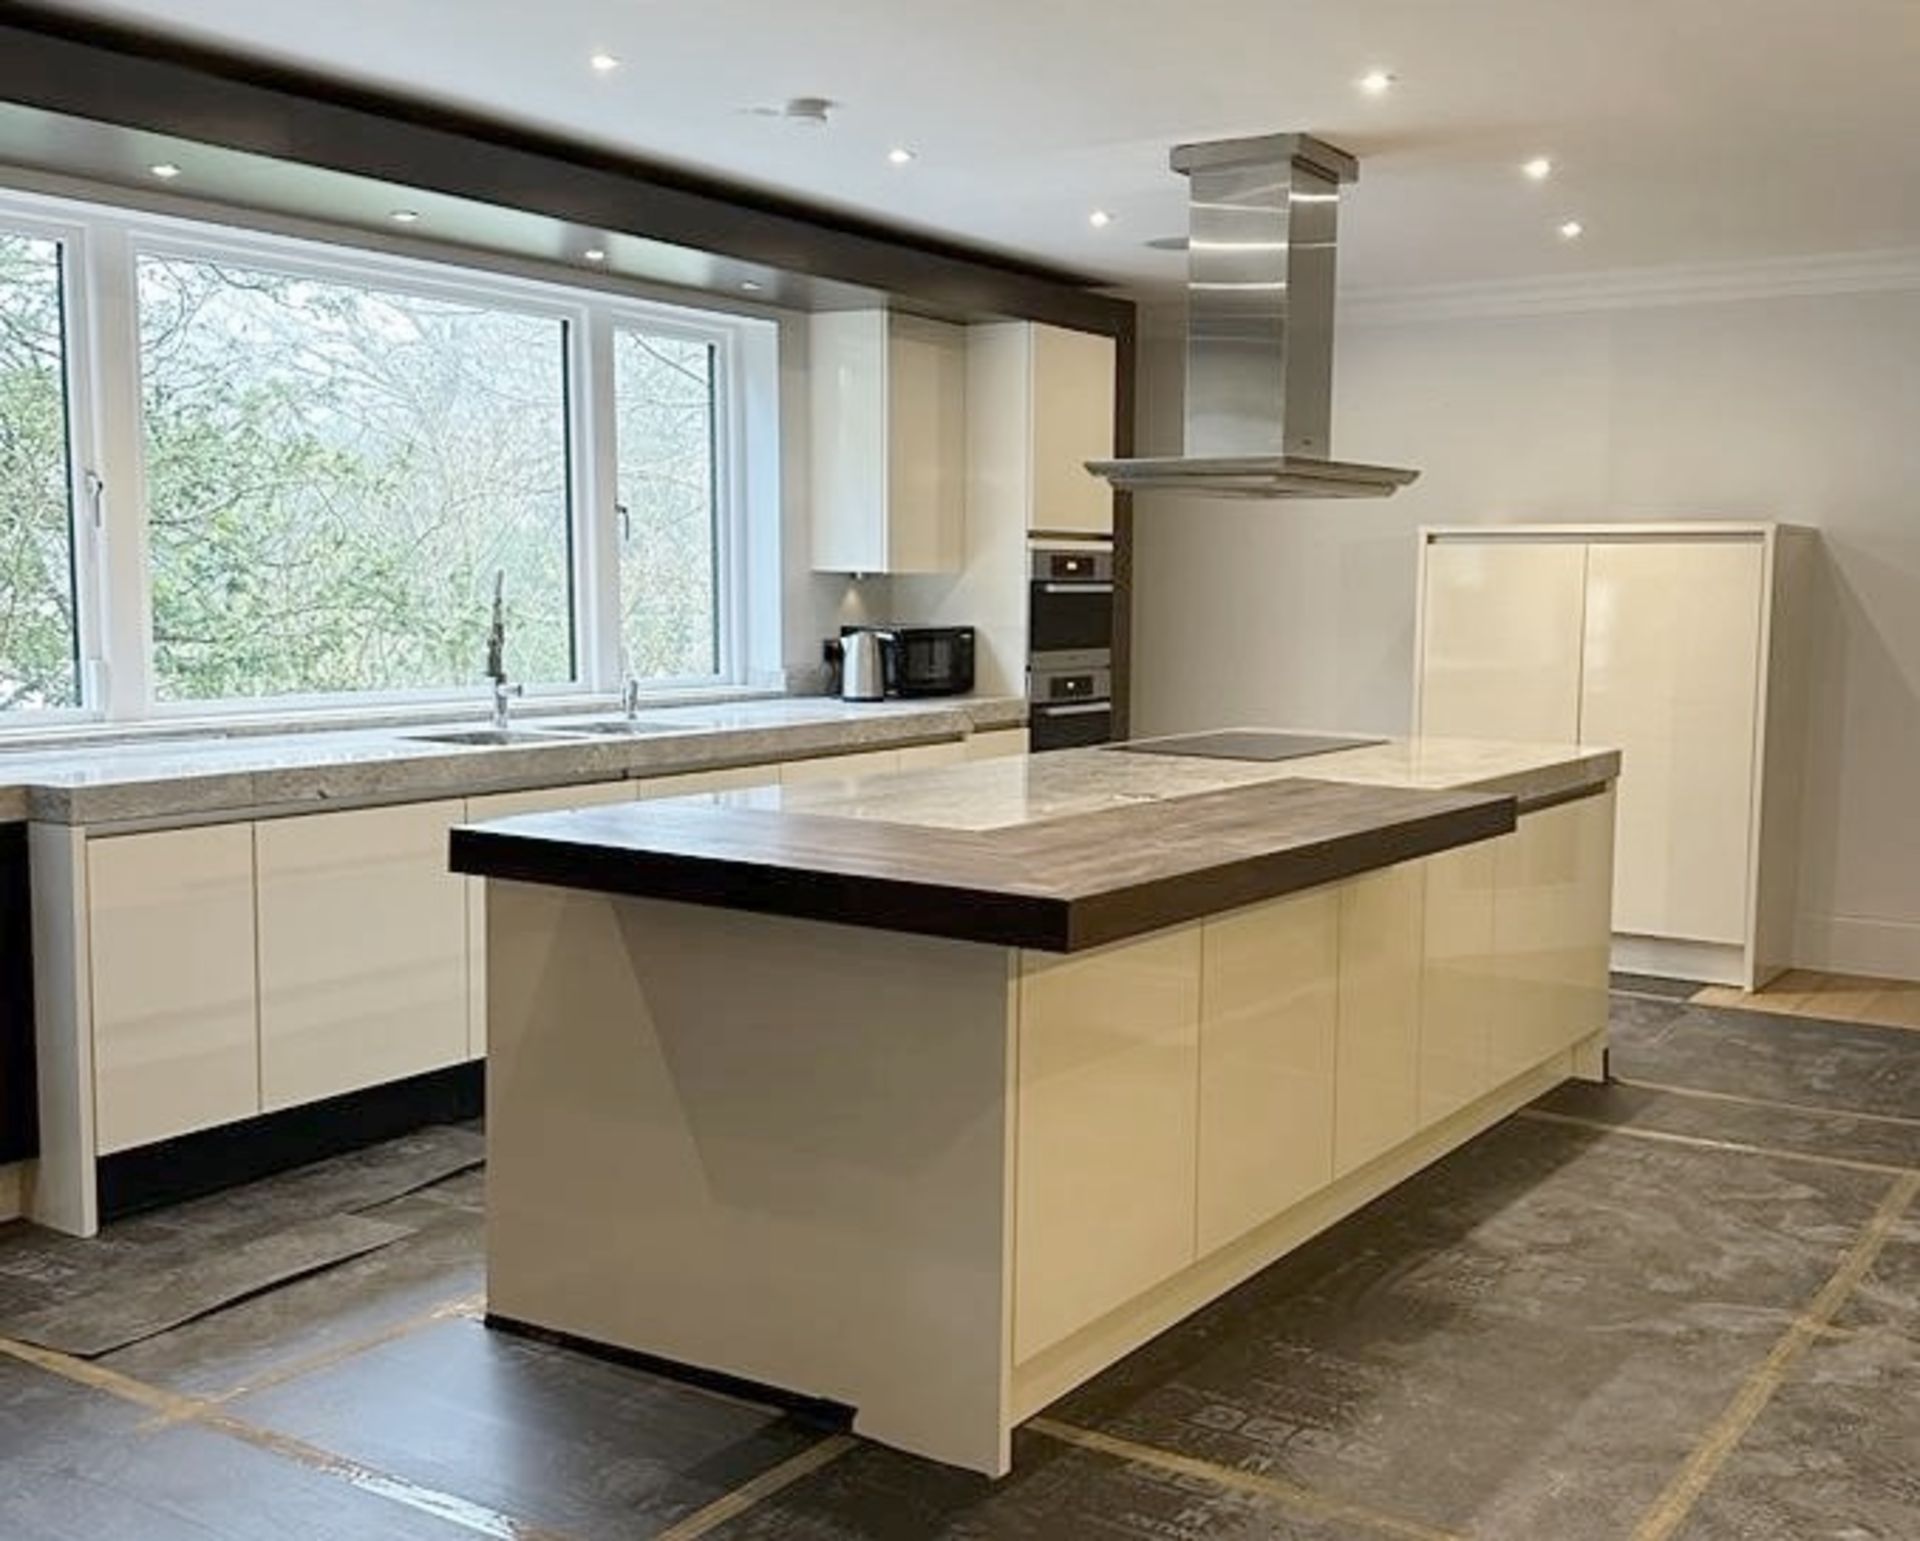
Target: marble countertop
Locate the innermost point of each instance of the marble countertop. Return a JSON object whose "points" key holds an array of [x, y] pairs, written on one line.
{"points": [[157, 779], [1057, 851]]}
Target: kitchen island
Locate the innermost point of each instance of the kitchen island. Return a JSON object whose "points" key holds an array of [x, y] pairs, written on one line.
{"points": [[930, 1095]]}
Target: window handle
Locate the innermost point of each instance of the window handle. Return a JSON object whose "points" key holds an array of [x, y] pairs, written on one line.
{"points": [[625, 515], [97, 499]]}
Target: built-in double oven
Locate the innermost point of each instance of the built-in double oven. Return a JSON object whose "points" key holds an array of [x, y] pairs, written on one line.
{"points": [[1070, 648]]}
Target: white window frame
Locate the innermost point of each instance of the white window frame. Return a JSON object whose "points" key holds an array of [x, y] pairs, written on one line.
{"points": [[101, 248], [84, 485]]}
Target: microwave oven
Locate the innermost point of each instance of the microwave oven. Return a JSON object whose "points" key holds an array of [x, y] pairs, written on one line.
{"points": [[924, 660]]}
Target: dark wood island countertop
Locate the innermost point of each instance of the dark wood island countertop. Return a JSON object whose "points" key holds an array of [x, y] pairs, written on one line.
{"points": [[1062, 877]]}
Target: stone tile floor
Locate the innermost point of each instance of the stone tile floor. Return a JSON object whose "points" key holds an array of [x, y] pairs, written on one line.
{"points": [[1685, 1304]]}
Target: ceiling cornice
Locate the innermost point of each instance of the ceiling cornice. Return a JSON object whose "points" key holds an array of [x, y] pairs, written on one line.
{"points": [[1768, 278]]}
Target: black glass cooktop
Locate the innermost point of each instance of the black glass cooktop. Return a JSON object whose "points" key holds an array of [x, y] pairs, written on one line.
{"points": [[1247, 744]]}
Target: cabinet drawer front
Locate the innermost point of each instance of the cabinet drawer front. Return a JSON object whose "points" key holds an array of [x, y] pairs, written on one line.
{"points": [[1104, 1203], [175, 1029], [1672, 680], [363, 950], [1270, 1000], [1500, 640]]}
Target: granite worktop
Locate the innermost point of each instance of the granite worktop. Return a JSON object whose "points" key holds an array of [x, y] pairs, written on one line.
{"points": [[152, 780], [1060, 851]]}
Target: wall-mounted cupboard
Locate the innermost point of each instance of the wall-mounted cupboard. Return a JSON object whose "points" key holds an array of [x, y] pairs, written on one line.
{"points": [[1682, 645]]}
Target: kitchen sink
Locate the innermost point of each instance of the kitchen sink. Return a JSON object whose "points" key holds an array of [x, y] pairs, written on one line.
{"points": [[634, 728], [498, 736]]}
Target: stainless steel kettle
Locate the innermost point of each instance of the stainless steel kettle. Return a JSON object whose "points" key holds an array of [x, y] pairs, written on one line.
{"points": [[863, 665]]}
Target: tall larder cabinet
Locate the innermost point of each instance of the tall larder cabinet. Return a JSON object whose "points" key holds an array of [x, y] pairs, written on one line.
{"points": [[1679, 644]]}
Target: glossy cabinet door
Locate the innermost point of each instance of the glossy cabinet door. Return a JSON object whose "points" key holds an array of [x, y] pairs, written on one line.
{"points": [[1376, 1076], [363, 950], [1501, 640], [504, 805], [840, 767], [1673, 680], [930, 756], [1552, 879], [997, 743], [175, 1025], [692, 783], [1270, 992], [888, 463], [1108, 1054], [1460, 981], [1072, 423], [926, 446]]}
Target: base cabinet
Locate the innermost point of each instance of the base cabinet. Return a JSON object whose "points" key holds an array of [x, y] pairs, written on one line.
{"points": [[1108, 1050], [1459, 980], [171, 947], [1270, 997], [363, 950], [997, 743]]}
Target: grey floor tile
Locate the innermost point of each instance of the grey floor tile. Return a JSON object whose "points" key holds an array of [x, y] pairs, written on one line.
{"points": [[1055, 1493], [275, 1333], [589, 1449], [1844, 1066], [1525, 1341], [75, 1467], [1844, 1136], [1835, 1456]]}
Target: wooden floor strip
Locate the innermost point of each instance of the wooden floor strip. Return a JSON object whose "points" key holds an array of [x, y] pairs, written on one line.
{"points": [[1669, 1512], [480, 1519], [1893, 1119], [1288, 1494], [1700, 1142], [729, 1505]]}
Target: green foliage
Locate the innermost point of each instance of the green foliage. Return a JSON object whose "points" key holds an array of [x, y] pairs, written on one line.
{"points": [[334, 474], [37, 640]]}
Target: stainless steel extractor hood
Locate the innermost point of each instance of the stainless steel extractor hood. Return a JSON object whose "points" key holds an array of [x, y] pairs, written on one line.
{"points": [[1263, 219]]}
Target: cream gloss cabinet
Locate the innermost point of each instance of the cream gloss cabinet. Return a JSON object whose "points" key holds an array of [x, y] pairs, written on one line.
{"points": [[363, 950], [1041, 400], [170, 950], [888, 399], [1682, 645]]}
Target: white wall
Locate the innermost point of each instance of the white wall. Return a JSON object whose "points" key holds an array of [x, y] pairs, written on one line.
{"points": [[1802, 408]]}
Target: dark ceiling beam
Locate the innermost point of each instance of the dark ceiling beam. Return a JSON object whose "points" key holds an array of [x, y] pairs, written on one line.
{"points": [[88, 70]]}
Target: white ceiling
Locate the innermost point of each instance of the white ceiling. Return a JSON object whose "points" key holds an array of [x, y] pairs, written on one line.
{"points": [[1684, 130]]}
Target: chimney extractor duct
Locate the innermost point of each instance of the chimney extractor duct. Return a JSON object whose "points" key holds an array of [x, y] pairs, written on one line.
{"points": [[1263, 216]]}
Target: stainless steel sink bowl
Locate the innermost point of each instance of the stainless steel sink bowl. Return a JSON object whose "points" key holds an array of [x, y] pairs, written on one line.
{"points": [[498, 736], [637, 727]]}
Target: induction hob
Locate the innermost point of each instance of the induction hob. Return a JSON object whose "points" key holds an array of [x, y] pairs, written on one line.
{"points": [[1247, 744]]}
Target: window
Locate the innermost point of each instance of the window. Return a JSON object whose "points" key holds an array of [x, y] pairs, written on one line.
{"points": [[302, 467], [335, 473], [669, 541], [39, 620]]}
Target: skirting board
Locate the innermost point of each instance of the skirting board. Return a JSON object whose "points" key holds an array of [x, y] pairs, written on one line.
{"points": [[1709, 963], [1858, 944], [1055, 1371]]}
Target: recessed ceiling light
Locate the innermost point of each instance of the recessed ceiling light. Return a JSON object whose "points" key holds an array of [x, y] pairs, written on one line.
{"points": [[405, 216], [603, 62], [594, 254], [899, 155], [166, 171], [1099, 219], [750, 286], [1377, 82], [1539, 168], [1572, 230]]}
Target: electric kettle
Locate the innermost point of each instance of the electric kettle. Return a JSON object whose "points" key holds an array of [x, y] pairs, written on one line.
{"points": [[863, 665]]}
